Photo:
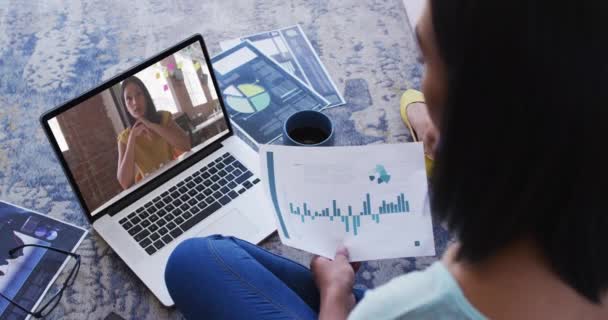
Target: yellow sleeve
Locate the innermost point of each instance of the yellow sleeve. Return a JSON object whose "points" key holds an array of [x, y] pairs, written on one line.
{"points": [[123, 136], [165, 117]]}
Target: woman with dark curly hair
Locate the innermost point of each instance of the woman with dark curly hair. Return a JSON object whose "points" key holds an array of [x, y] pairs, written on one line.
{"points": [[517, 90]]}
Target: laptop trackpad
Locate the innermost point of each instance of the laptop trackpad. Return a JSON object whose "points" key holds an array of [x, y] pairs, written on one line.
{"points": [[233, 223]]}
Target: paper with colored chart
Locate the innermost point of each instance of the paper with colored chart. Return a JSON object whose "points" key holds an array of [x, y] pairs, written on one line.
{"points": [[371, 199], [259, 94], [290, 48]]}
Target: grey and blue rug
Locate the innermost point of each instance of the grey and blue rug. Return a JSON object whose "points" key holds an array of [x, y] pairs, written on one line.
{"points": [[51, 51]]}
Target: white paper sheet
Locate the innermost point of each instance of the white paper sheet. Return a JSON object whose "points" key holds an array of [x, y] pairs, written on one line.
{"points": [[414, 10], [327, 196]]}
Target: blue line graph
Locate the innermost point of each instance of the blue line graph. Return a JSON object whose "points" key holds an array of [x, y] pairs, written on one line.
{"points": [[273, 191]]}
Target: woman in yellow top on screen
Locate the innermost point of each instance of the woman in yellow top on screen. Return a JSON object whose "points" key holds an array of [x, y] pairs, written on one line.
{"points": [[152, 139]]}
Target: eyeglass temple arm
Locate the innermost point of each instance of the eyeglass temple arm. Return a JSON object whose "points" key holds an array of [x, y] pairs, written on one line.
{"points": [[37, 314], [16, 304], [13, 250]]}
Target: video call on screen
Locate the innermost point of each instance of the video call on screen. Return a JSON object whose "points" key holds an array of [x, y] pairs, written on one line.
{"points": [[158, 116]]}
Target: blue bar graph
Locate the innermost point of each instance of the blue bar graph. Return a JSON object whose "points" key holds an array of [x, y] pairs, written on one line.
{"points": [[353, 222]]}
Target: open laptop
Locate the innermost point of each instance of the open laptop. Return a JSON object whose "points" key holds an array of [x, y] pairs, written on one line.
{"points": [[186, 175]]}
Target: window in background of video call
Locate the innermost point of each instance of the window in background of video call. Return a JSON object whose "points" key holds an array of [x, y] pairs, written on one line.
{"points": [[90, 134]]}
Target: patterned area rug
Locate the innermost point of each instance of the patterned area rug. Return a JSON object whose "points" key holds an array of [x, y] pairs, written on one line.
{"points": [[51, 51]]}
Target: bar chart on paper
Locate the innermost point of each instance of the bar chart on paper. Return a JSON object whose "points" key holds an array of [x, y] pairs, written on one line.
{"points": [[352, 222], [321, 201]]}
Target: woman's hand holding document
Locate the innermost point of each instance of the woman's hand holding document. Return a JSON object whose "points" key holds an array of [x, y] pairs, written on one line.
{"points": [[371, 199]]}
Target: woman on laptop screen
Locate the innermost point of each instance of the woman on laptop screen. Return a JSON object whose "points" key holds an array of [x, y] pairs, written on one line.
{"points": [[152, 139]]}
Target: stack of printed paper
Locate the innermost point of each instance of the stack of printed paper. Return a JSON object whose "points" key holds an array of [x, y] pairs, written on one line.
{"points": [[266, 77]]}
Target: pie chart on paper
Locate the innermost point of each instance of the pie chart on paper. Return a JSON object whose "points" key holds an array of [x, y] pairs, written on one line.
{"points": [[247, 97]]}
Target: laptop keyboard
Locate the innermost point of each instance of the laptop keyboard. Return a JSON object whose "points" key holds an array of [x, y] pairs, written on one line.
{"points": [[180, 208]]}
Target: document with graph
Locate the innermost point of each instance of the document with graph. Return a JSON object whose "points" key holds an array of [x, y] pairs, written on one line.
{"points": [[291, 48], [259, 93], [371, 199]]}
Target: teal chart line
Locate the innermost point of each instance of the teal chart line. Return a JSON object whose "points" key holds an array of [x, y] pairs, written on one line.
{"points": [[273, 191], [400, 206]]}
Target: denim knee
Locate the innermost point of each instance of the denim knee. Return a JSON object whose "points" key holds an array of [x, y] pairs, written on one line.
{"points": [[180, 260]]}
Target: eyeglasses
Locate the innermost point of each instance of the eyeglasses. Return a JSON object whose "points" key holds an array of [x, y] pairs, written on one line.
{"points": [[53, 302]]}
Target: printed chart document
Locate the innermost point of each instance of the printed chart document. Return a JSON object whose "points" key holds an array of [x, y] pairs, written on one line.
{"points": [[260, 94], [371, 199], [292, 50], [26, 276]]}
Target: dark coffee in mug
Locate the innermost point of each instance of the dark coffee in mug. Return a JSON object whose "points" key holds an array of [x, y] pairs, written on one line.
{"points": [[308, 135], [308, 128]]}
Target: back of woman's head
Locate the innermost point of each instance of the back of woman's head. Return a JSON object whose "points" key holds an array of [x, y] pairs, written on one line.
{"points": [[522, 132], [151, 112]]}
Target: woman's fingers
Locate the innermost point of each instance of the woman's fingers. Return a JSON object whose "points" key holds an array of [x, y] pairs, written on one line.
{"points": [[343, 255], [318, 261], [342, 250], [140, 128], [136, 126], [148, 133]]}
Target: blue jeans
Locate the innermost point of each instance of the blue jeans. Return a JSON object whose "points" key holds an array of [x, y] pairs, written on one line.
{"points": [[220, 277]]}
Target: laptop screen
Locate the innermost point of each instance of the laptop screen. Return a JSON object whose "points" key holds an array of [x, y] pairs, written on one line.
{"points": [[142, 125]]}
